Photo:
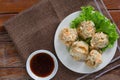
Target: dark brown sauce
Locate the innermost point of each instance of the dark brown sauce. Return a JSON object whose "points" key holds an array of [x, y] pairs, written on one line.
{"points": [[42, 64]]}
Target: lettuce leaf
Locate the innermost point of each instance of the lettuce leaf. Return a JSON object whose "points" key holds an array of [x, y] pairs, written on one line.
{"points": [[102, 24]]}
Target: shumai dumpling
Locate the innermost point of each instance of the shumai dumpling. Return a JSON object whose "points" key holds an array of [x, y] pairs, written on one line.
{"points": [[79, 50], [99, 40], [86, 29], [68, 36], [94, 58]]}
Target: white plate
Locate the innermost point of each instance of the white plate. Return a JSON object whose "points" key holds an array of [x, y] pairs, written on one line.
{"points": [[66, 59]]}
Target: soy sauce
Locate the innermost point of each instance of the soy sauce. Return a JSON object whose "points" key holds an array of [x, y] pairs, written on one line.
{"points": [[42, 64]]}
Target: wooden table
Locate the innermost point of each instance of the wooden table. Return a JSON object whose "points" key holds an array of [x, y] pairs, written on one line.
{"points": [[11, 66]]}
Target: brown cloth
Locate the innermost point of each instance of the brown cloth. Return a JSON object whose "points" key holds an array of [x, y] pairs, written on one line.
{"points": [[34, 29]]}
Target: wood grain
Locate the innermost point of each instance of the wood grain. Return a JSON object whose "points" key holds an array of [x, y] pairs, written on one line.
{"points": [[13, 74], [11, 65], [15, 6], [9, 56], [113, 75], [116, 16], [2, 55], [5, 38], [12, 57], [4, 17], [112, 4]]}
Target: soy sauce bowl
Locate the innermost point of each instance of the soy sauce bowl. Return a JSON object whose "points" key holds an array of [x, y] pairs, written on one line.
{"points": [[32, 73]]}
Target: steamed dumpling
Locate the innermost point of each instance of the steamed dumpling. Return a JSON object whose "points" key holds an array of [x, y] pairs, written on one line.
{"points": [[68, 36], [99, 40], [86, 29], [79, 50], [94, 58]]}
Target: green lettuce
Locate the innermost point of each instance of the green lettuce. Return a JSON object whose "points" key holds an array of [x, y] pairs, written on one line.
{"points": [[102, 24]]}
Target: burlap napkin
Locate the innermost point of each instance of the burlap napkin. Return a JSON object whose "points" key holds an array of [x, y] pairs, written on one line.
{"points": [[34, 29]]}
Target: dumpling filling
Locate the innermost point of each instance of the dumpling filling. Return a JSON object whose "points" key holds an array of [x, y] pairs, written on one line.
{"points": [[86, 29], [99, 40], [94, 58], [79, 50], [68, 36]]}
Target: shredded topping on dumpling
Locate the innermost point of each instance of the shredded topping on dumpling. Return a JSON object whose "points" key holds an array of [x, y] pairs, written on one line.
{"points": [[94, 58], [99, 40], [79, 50], [68, 36], [86, 29]]}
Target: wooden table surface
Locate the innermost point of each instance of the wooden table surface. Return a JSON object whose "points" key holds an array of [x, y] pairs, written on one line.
{"points": [[11, 66]]}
